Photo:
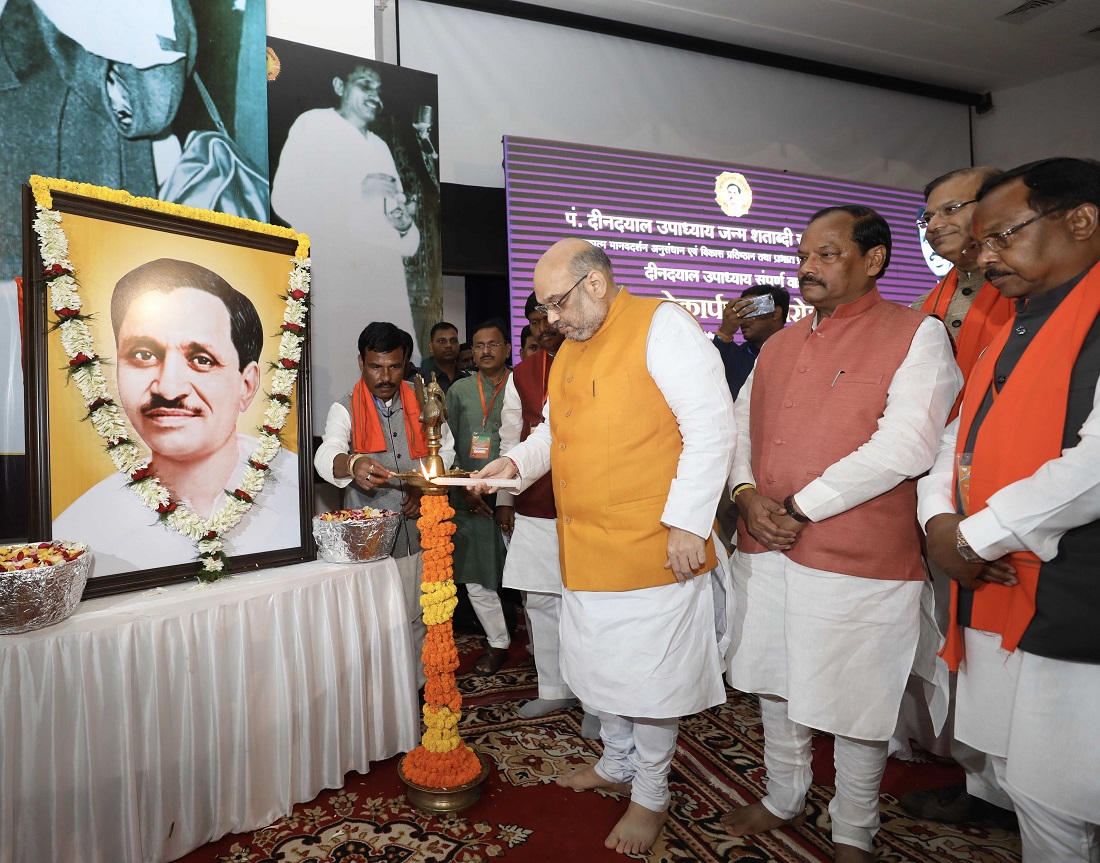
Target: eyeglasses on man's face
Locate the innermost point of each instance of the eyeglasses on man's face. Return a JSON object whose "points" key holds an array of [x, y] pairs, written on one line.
{"points": [[942, 212], [556, 307], [488, 346], [1000, 241]]}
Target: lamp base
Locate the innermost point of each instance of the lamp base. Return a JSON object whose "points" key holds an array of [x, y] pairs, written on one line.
{"points": [[439, 801]]}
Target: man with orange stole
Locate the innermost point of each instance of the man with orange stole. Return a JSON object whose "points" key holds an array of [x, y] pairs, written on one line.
{"points": [[971, 308], [973, 311], [373, 433], [1012, 510]]}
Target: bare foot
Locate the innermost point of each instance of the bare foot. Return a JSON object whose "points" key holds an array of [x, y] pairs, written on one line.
{"points": [[756, 818], [850, 854], [637, 830], [588, 778]]}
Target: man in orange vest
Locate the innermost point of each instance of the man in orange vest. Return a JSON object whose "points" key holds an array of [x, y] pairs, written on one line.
{"points": [[972, 310], [842, 412], [639, 433], [1012, 509]]}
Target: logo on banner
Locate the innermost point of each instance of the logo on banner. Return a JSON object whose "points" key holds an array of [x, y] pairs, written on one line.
{"points": [[732, 193]]}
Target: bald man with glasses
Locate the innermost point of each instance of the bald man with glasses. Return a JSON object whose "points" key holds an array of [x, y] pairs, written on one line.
{"points": [[640, 436]]}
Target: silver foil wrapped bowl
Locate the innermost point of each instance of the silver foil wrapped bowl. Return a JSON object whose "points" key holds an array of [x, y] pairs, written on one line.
{"points": [[356, 540], [34, 598]]}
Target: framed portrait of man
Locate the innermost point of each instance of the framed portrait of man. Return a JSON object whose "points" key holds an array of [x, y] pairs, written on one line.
{"points": [[170, 430]]}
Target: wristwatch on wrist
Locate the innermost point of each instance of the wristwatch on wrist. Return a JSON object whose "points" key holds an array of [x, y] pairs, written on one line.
{"points": [[788, 504], [965, 551]]}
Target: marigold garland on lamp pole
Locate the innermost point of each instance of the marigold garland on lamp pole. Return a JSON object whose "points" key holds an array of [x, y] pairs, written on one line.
{"points": [[442, 773]]}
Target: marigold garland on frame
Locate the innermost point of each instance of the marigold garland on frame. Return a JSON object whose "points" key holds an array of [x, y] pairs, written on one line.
{"points": [[106, 415], [442, 760]]}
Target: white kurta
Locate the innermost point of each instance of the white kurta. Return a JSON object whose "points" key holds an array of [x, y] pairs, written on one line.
{"points": [[840, 648], [125, 535], [533, 562], [1047, 724], [653, 652]]}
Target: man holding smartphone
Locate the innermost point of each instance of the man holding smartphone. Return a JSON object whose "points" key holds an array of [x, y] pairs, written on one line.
{"points": [[759, 314]]}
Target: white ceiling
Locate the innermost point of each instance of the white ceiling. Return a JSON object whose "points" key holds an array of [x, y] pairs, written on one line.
{"points": [[951, 43]]}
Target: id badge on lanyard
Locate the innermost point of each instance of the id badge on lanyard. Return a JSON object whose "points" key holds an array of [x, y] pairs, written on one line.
{"points": [[479, 441], [479, 445]]}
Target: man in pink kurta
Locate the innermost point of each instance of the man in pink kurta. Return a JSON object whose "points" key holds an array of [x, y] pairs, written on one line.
{"points": [[842, 412]]}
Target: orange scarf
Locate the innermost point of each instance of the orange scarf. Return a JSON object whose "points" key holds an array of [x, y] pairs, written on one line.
{"points": [[989, 312], [366, 428], [939, 298], [1008, 449]]}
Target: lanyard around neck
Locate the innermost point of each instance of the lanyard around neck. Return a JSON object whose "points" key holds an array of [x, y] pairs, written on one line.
{"points": [[481, 391]]}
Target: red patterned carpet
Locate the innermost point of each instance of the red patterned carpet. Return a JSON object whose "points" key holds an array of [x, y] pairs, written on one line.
{"points": [[523, 817]]}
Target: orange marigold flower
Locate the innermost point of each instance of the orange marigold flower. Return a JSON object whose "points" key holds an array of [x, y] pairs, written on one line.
{"points": [[441, 769], [460, 765]]}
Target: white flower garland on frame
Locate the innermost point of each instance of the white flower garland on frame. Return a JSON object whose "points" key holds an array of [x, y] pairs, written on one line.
{"points": [[108, 419]]}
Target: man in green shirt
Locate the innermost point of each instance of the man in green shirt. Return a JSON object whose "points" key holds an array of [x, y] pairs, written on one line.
{"points": [[473, 414]]}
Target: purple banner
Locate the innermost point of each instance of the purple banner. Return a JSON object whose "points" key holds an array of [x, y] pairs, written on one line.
{"points": [[695, 232]]}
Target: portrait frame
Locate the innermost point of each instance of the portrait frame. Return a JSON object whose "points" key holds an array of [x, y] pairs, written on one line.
{"points": [[256, 259]]}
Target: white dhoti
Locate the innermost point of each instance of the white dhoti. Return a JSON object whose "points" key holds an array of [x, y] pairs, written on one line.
{"points": [[650, 652], [925, 705], [1053, 773], [928, 706], [837, 648], [490, 614], [532, 566], [1037, 719], [1053, 753], [642, 659], [825, 651]]}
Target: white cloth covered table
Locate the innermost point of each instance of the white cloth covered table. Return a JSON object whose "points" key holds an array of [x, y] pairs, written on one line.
{"points": [[148, 724]]}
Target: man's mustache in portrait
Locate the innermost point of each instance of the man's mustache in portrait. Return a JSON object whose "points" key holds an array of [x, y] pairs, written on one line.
{"points": [[158, 403]]}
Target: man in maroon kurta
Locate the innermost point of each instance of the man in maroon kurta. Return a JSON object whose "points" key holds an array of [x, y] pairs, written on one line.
{"points": [[531, 518]]}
